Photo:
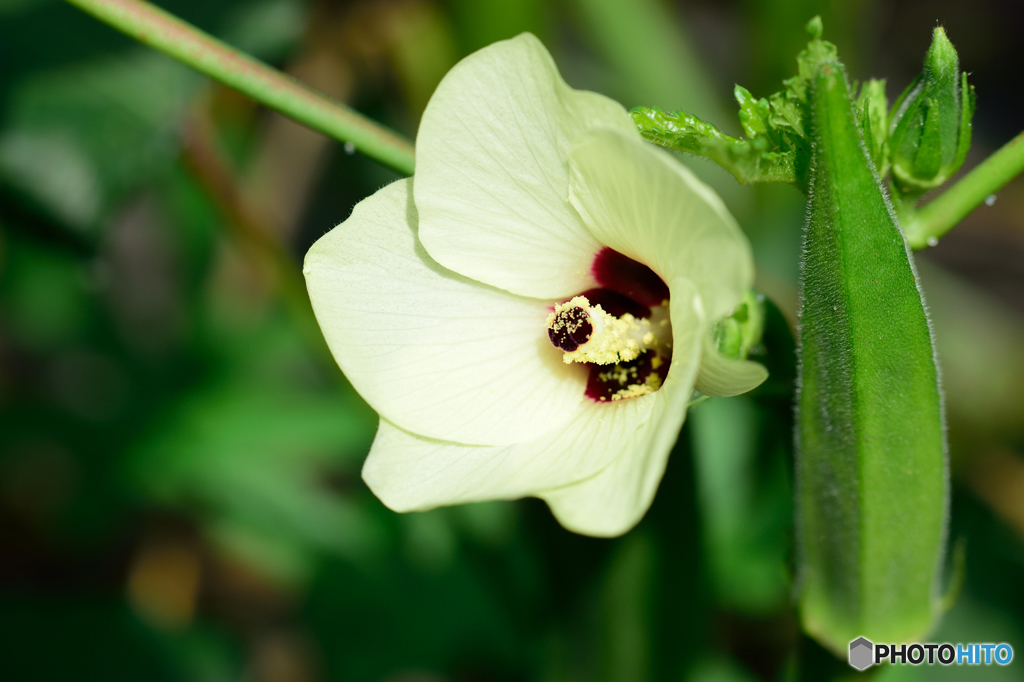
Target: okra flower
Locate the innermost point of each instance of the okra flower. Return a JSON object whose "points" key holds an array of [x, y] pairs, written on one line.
{"points": [[531, 313]]}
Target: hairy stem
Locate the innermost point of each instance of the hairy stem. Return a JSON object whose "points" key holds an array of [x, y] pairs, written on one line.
{"points": [[184, 42]]}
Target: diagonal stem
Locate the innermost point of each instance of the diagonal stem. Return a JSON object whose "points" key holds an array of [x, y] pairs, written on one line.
{"points": [[186, 43], [942, 214]]}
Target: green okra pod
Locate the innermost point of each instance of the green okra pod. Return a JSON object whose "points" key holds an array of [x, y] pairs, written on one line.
{"points": [[872, 475]]}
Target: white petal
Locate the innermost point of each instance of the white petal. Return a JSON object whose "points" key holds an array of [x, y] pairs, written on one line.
{"points": [[641, 202], [492, 177], [614, 500], [723, 377], [432, 351], [411, 473], [620, 446]]}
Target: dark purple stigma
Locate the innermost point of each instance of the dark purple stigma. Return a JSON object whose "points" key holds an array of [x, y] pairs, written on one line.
{"points": [[571, 329]]}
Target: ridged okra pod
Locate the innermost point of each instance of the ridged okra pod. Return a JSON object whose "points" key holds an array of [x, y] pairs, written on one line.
{"points": [[872, 474]]}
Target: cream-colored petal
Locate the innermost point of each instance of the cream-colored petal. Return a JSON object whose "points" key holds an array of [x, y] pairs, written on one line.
{"points": [[431, 351], [616, 498], [621, 446], [411, 473], [641, 202], [724, 377], [492, 178]]}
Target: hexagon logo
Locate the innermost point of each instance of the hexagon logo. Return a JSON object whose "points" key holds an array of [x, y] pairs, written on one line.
{"points": [[862, 653]]}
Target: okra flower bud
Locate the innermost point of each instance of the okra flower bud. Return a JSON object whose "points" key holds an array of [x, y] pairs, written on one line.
{"points": [[930, 125]]}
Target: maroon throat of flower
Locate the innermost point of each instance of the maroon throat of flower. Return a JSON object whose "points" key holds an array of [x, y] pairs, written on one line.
{"points": [[619, 330]]}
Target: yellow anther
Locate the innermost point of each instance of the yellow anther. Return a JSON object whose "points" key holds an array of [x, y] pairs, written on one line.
{"points": [[613, 339]]}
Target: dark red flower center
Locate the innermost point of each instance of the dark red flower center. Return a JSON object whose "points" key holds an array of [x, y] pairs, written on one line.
{"points": [[624, 286]]}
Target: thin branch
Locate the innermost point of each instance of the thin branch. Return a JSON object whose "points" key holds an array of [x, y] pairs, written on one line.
{"points": [[942, 214]]}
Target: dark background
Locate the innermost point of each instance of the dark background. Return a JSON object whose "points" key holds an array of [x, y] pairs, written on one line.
{"points": [[179, 457]]}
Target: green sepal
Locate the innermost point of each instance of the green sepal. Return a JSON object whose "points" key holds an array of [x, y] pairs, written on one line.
{"points": [[724, 368], [873, 116], [907, 123], [872, 472], [968, 104], [737, 335]]}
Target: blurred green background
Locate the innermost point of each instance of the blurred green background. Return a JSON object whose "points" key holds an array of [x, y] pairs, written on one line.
{"points": [[179, 456]]}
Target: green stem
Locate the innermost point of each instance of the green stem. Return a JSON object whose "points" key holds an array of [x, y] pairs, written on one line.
{"points": [[186, 43], [942, 214]]}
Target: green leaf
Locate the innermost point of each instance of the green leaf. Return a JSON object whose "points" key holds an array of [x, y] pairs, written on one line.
{"points": [[747, 160], [754, 113], [872, 455], [257, 459], [79, 139], [776, 147]]}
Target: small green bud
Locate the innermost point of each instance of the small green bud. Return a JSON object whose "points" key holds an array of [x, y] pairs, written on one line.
{"points": [[930, 125], [814, 28]]}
